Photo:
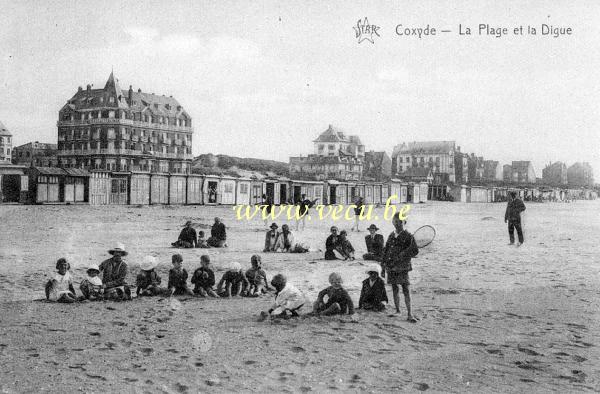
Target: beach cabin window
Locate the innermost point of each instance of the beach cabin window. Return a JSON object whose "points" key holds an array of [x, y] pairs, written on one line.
{"points": [[53, 179], [42, 179], [228, 188], [243, 188]]}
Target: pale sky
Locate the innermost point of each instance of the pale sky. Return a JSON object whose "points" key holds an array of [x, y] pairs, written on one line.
{"points": [[263, 79]]}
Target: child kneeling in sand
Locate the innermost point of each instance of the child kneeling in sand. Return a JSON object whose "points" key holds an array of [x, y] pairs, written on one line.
{"points": [[204, 278], [234, 282], [60, 288], [148, 281], [178, 277], [288, 300], [91, 287], [257, 278], [373, 294], [338, 299]]}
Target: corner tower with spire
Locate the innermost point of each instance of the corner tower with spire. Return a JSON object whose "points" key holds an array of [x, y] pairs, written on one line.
{"points": [[108, 129]]}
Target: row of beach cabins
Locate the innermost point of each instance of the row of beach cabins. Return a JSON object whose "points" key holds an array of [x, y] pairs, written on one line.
{"points": [[50, 185]]}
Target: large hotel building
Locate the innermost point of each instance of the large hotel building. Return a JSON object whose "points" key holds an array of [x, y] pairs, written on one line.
{"points": [[115, 130]]}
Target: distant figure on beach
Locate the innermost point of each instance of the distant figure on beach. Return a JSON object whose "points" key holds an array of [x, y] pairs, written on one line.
{"points": [[148, 281], [178, 277], [60, 288], [114, 272], [202, 241], [331, 243], [267, 207], [304, 206], [288, 300], [513, 216], [287, 244], [187, 237], [271, 239], [375, 244], [218, 235], [373, 294], [338, 300], [344, 247], [204, 279], [399, 249], [358, 210]]}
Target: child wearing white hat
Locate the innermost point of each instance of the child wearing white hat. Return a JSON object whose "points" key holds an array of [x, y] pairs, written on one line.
{"points": [[148, 281], [373, 294], [91, 287], [234, 282]]}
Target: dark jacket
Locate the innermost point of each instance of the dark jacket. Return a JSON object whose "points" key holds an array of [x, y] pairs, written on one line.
{"points": [[218, 231], [178, 280], [203, 282], [330, 244], [147, 278], [399, 250], [268, 247], [375, 245], [373, 295], [113, 274], [340, 296], [188, 234], [513, 210]]}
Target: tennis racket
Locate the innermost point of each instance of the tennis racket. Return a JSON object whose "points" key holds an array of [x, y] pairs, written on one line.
{"points": [[424, 235]]}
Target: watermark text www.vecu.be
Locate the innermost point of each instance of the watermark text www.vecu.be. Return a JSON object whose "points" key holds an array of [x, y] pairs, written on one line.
{"points": [[335, 212]]}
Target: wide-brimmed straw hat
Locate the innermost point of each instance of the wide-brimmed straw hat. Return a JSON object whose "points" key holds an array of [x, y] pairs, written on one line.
{"points": [[373, 268], [149, 263], [373, 227], [93, 266], [235, 266], [120, 248]]}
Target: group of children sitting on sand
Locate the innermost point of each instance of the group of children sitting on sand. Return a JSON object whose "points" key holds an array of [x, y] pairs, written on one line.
{"points": [[234, 282]]}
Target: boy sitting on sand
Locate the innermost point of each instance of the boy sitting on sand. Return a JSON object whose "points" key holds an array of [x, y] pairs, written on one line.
{"points": [[288, 300], [148, 281], [373, 294], [202, 241], [234, 282], [257, 278], [204, 278], [178, 277], [60, 288], [91, 287], [338, 299]]}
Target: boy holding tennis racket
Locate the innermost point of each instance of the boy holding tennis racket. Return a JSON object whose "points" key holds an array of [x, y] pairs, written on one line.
{"points": [[399, 249]]}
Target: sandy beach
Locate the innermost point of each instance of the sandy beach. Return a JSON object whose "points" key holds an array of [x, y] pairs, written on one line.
{"points": [[493, 317]]}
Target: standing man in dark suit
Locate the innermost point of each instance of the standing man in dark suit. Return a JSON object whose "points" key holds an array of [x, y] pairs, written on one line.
{"points": [[513, 216], [399, 249], [374, 243]]}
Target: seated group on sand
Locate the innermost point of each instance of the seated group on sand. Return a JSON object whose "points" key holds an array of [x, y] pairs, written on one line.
{"points": [[189, 239], [112, 286], [282, 241], [395, 257]]}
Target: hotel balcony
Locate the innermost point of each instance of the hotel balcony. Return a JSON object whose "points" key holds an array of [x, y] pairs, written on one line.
{"points": [[136, 123]]}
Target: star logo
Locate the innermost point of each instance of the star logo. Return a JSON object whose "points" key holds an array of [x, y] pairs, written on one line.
{"points": [[365, 31]]}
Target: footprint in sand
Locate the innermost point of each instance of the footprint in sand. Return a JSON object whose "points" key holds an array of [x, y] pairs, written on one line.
{"points": [[529, 351], [421, 386], [172, 350], [374, 337], [147, 351], [298, 349], [579, 359], [94, 334], [494, 351], [249, 362]]}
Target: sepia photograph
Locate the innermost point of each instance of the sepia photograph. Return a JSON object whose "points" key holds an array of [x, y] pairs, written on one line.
{"points": [[308, 196]]}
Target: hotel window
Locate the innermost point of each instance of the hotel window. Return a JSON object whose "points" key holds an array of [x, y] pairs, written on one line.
{"points": [[399, 159], [331, 147], [111, 99]]}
